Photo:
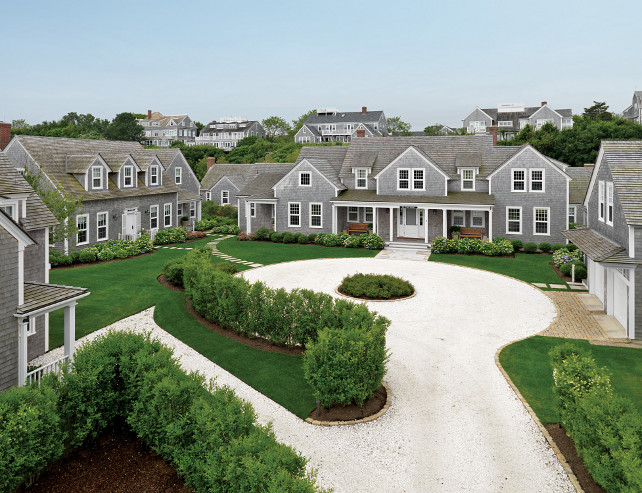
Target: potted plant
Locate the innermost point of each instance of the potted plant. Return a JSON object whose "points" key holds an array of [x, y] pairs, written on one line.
{"points": [[184, 221], [454, 232]]}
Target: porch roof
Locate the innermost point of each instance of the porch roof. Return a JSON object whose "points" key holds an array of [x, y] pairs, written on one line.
{"points": [[40, 295], [593, 244], [188, 196], [463, 198]]}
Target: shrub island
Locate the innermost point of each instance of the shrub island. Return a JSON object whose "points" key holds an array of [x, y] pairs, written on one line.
{"points": [[376, 287]]}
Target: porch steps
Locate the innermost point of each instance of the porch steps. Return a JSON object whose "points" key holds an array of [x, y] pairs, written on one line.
{"points": [[408, 245]]}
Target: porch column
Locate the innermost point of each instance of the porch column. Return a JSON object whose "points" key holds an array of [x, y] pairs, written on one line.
{"points": [[70, 330], [334, 219], [444, 213], [391, 223], [490, 225], [247, 217], [426, 226], [22, 351], [374, 220], [198, 210]]}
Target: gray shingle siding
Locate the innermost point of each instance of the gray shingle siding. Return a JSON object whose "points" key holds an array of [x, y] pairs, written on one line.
{"points": [[222, 185], [8, 304], [434, 181]]}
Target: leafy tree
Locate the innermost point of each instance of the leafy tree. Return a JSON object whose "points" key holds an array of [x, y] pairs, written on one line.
{"points": [[276, 126], [199, 127], [125, 127], [19, 124], [196, 156], [72, 125], [599, 111], [398, 127], [140, 116], [298, 123]]}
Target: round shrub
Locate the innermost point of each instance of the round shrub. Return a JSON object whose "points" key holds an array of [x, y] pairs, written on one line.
{"points": [[566, 268], [580, 273], [373, 242], [276, 237], [498, 239], [530, 247], [312, 237], [571, 248], [517, 244], [303, 240], [375, 287], [556, 246], [105, 254], [320, 238], [74, 256], [545, 247], [173, 271], [352, 242], [120, 253], [59, 259], [563, 256], [262, 234], [288, 237], [87, 255], [296, 237]]}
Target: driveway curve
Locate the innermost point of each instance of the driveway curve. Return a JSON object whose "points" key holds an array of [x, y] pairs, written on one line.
{"points": [[454, 423]]}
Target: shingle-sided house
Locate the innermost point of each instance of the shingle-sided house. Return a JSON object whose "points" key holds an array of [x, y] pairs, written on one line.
{"points": [[26, 297], [581, 176], [332, 125], [510, 118], [634, 111], [161, 130], [222, 182], [612, 240], [124, 188], [414, 188], [226, 133]]}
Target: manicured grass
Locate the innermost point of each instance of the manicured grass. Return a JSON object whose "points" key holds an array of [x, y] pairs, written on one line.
{"points": [[526, 267], [528, 364], [266, 252]]}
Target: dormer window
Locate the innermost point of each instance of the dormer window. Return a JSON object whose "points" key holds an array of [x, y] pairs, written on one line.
{"points": [[171, 122], [128, 176], [468, 179], [178, 175], [11, 209], [153, 175], [96, 177], [305, 179], [361, 178]]}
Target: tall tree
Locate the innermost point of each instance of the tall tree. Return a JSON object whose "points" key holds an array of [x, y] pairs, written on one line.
{"points": [[125, 127], [396, 126], [275, 126], [599, 111]]}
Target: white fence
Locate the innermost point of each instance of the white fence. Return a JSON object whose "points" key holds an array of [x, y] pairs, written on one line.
{"points": [[35, 376]]}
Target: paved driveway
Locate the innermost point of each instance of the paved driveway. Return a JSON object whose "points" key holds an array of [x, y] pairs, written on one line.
{"points": [[454, 424]]}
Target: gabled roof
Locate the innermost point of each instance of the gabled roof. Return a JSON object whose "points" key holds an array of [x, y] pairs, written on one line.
{"points": [[310, 129], [241, 172], [210, 128], [11, 181], [581, 177], [325, 168], [79, 163], [14, 229], [345, 117], [267, 175], [163, 120], [115, 161], [557, 165]]}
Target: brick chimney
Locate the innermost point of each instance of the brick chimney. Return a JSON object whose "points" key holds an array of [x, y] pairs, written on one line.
{"points": [[364, 109], [544, 103], [589, 165], [493, 132], [5, 134], [149, 114], [211, 161], [361, 132]]}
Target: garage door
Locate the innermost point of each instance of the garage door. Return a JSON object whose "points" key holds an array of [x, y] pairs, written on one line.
{"points": [[596, 280], [620, 298]]}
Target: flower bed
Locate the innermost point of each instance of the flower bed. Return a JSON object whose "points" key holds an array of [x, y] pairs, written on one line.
{"points": [[376, 287], [369, 242], [472, 246], [108, 250], [564, 256]]}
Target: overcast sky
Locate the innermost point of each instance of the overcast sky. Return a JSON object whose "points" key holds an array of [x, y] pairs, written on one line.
{"points": [[431, 61]]}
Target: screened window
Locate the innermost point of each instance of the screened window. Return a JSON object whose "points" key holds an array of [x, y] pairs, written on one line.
{"points": [[316, 219], [458, 218], [541, 218], [537, 180], [294, 214], [81, 226], [519, 180], [101, 225], [403, 179], [514, 220], [353, 214]]}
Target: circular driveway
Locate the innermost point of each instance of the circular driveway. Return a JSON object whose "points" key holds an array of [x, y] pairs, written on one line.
{"points": [[454, 423]]}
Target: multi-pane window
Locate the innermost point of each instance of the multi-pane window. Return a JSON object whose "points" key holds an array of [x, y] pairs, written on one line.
{"points": [[601, 200], [178, 175], [179, 210], [192, 209], [403, 179], [477, 219], [537, 180], [252, 209], [519, 180], [128, 172], [513, 219], [153, 175], [225, 197], [353, 214], [9, 209], [304, 179], [369, 215], [418, 179], [153, 217], [571, 214], [458, 218], [468, 179], [294, 214], [540, 218], [167, 210], [208, 195], [96, 177], [609, 203], [316, 215], [101, 226], [81, 227], [362, 178]]}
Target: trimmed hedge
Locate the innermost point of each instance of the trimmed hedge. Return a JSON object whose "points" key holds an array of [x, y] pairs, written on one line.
{"points": [[517, 244], [530, 247], [370, 242], [107, 250], [376, 286], [170, 235], [606, 428], [472, 246], [545, 247]]}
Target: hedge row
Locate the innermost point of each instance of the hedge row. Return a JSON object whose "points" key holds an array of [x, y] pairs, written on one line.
{"points": [[471, 246], [370, 242], [107, 250], [204, 223], [170, 235], [207, 433], [606, 428], [173, 270]]}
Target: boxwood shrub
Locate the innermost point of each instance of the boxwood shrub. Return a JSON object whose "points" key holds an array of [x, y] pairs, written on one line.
{"points": [[303, 240], [530, 247], [375, 286], [276, 237], [288, 237], [545, 247], [170, 235], [517, 245], [106, 250], [262, 234], [556, 246]]}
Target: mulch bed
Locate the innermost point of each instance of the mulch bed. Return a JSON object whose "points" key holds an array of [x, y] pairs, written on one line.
{"points": [[352, 412], [84, 264], [567, 447], [118, 462]]}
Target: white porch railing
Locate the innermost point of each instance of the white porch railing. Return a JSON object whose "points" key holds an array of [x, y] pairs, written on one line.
{"points": [[129, 236], [35, 376]]}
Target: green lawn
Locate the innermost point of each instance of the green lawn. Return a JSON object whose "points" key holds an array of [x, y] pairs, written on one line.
{"points": [[526, 267], [265, 252], [528, 364]]}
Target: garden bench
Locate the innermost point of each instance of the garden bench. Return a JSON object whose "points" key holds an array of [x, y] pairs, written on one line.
{"points": [[357, 228], [470, 233]]}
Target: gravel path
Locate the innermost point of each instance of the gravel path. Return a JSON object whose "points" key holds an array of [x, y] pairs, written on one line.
{"points": [[454, 424]]}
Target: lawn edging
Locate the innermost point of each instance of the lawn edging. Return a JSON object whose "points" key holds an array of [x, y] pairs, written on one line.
{"points": [[364, 300]]}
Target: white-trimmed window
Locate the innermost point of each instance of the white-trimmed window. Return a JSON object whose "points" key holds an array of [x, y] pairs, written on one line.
{"points": [[208, 195], [101, 226], [609, 203], [478, 219], [361, 178], [468, 179], [10, 208], [252, 209], [305, 179], [316, 215], [294, 214], [418, 179], [513, 220], [128, 176], [179, 210], [153, 217], [167, 210], [82, 223], [459, 218], [572, 213], [600, 212], [544, 121], [403, 179], [518, 181], [537, 180], [353, 214], [178, 175], [153, 175], [369, 215], [505, 123], [225, 197], [192, 209], [541, 220], [96, 177]]}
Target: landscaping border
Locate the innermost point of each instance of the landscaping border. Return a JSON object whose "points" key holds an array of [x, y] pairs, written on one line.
{"points": [[368, 300]]}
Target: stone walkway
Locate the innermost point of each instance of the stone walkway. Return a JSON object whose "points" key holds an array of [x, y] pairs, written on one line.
{"points": [[573, 320], [224, 256], [404, 254]]}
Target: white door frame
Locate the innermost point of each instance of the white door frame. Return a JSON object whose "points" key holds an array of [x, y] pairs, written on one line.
{"points": [[417, 230]]}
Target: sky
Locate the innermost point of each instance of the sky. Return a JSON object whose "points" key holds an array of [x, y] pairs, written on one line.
{"points": [[427, 62]]}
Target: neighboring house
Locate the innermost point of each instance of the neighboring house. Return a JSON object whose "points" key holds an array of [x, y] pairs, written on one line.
{"points": [[612, 240], [161, 130], [222, 182], [332, 125], [26, 297], [581, 176], [124, 188], [226, 133], [413, 188], [634, 112], [510, 118]]}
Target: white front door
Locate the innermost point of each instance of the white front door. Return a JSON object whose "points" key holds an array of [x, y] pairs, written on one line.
{"points": [[131, 223], [410, 222]]}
